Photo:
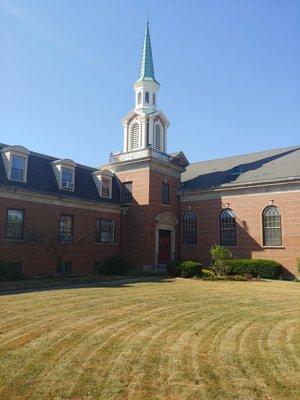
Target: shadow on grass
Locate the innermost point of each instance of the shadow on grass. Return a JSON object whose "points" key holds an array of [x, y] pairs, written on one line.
{"points": [[64, 284]]}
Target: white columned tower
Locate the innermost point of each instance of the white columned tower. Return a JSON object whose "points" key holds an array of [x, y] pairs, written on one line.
{"points": [[145, 126]]}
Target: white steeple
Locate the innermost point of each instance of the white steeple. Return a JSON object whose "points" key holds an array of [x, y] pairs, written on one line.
{"points": [[145, 126]]}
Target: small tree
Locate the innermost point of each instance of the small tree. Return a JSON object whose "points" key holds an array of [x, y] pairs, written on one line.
{"points": [[220, 256], [52, 242]]}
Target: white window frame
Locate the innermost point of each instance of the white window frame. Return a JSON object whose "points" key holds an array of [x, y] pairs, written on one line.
{"points": [[98, 178], [109, 178], [58, 167], [135, 121], [7, 155]]}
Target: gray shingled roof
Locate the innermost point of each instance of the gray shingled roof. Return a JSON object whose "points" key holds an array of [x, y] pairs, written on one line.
{"points": [[41, 179], [254, 167]]}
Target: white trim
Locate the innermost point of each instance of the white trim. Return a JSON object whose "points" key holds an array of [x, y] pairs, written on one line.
{"points": [[58, 166], [253, 190], [98, 176], [24, 195], [166, 221], [7, 156]]}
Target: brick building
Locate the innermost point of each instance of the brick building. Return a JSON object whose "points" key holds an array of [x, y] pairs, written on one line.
{"points": [[146, 204]]}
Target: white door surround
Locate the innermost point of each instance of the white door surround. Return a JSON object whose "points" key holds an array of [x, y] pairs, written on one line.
{"points": [[166, 221]]}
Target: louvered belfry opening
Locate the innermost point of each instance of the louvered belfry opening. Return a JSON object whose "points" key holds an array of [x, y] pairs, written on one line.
{"points": [[135, 136], [157, 137]]}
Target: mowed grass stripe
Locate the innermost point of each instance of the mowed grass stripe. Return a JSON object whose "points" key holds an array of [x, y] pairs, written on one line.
{"points": [[180, 339]]}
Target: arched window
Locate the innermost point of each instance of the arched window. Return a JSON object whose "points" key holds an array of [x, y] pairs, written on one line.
{"points": [[272, 227], [157, 137], [147, 97], [153, 98], [135, 136], [189, 228], [139, 98], [228, 228]]}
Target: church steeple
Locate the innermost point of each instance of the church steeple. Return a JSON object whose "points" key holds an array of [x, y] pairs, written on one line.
{"points": [[146, 67], [146, 87], [145, 127]]}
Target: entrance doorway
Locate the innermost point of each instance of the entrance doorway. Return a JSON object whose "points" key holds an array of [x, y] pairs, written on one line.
{"points": [[164, 246]]}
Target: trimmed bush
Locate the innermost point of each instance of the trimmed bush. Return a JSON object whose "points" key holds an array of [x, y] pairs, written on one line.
{"points": [[267, 269], [185, 269], [189, 269], [10, 271], [113, 266], [173, 268], [226, 278]]}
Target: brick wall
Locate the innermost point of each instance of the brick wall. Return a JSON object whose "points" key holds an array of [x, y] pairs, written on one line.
{"points": [[248, 210], [35, 259], [139, 227]]}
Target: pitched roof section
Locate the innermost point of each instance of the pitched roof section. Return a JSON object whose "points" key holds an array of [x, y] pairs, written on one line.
{"points": [[146, 67], [41, 179], [254, 167]]}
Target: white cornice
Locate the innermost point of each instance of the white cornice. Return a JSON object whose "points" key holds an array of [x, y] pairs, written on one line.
{"points": [[241, 190], [27, 195]]}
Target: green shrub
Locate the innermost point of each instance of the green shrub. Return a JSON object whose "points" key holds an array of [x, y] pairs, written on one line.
{"points": [[220, 256], [173, 268], [189, 269], [267, 269], [10, 271], [226, 278], [298, 265], [113, 266], [207, 273]]}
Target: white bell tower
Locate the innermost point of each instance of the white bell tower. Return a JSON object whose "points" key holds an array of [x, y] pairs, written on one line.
{"points": [[145, 126]]}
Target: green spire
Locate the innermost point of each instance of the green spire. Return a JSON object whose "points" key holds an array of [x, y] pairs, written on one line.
{"points": [[146, 68]]}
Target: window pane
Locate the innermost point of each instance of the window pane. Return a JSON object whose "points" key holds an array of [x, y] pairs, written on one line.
{"points": [[127, 193], [18, 168], [228, 228], [66, 228], [65, 267], [165, 193], [14, 225], [105, 231], [272, 227], [190, 228], [105, 187], [67, 176]]}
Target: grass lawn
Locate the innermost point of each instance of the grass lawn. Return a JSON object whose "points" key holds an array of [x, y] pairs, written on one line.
{"points": [[166, 339]]}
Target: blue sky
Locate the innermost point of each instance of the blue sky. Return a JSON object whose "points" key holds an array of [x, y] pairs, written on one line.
{"points": [[229, 74]]}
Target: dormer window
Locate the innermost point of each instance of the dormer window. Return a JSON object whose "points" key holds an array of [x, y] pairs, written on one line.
{"points": [[15, 159], [18, 168], [236, 170], [67, 178], [103, 181], [64, 171], [106, 187]]}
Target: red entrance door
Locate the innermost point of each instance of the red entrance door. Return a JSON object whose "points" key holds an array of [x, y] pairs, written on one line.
{"points": [[164, 248]]}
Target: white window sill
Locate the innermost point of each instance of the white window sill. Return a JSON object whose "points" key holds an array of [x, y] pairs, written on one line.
{"points": [[106, 243], [273, 247]]}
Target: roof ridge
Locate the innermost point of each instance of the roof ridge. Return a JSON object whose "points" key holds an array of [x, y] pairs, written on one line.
{"points": [[246, 154], [46, 156]]}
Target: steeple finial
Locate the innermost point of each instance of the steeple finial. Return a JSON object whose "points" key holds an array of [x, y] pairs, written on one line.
{"points": [[146, 68]]}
